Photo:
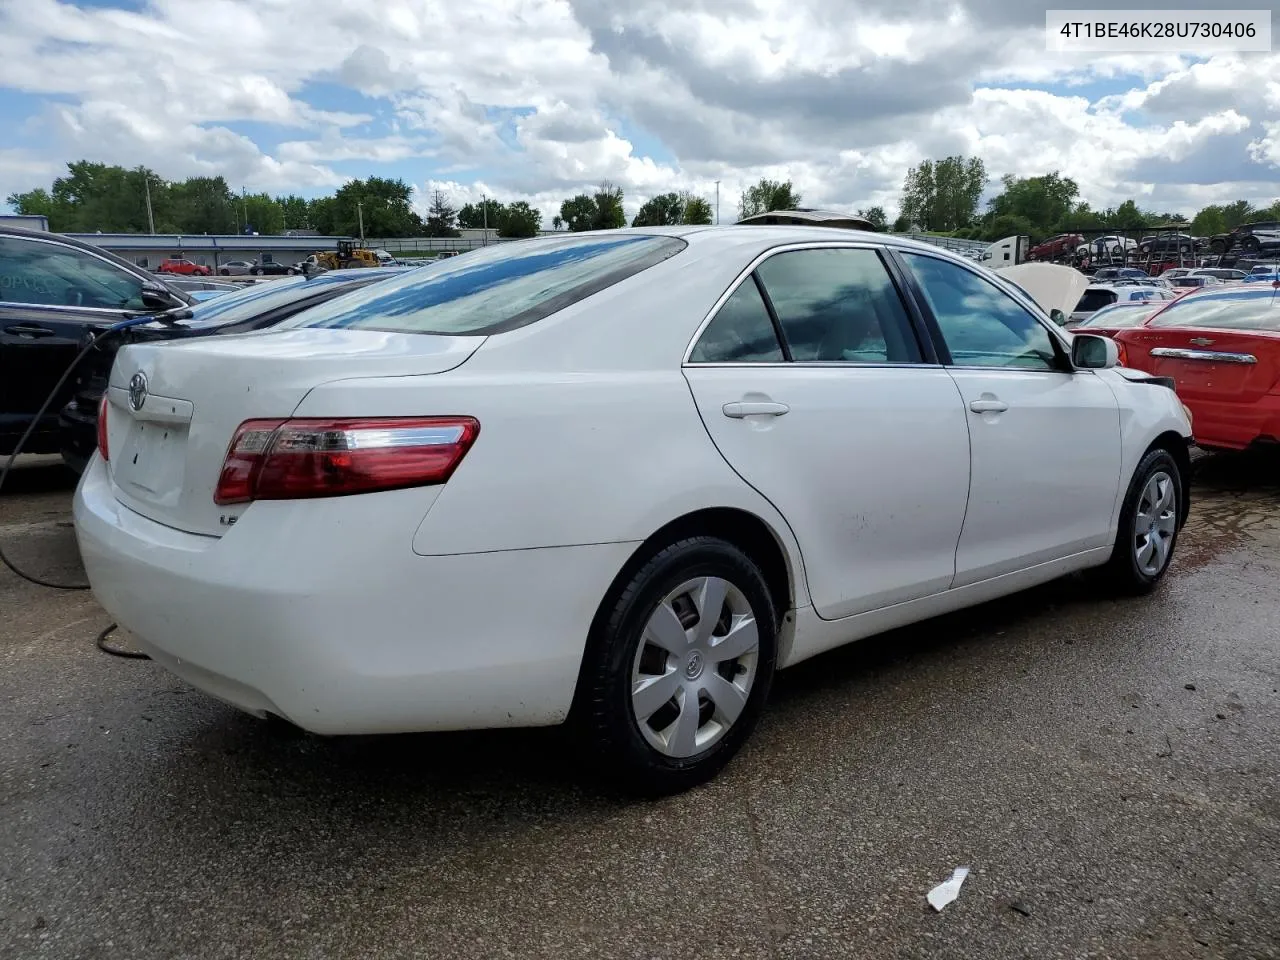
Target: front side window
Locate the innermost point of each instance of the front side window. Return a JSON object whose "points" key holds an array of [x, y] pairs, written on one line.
{"points": [[50, 274], [838, 305], [495, 289], [982, 325]]}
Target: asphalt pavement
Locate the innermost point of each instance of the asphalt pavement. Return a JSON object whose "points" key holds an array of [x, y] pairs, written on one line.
{"points": [[1108, 770]]}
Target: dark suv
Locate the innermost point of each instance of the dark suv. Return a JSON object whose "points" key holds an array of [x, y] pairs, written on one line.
{"points": [[54, 293]]}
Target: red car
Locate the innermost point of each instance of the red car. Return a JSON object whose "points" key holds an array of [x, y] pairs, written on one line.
{"points": [[1062, 245], [1221, 347], [185, 267]]}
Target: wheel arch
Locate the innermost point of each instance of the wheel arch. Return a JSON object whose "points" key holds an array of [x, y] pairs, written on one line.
{"points": [[745, 530]]}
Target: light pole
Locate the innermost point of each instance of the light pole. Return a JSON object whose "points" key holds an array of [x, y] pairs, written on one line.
{"points": [[360, 217], [484, 209], [151, 220], [717, 203]]}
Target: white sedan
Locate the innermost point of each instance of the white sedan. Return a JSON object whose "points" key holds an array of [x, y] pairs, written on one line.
{"points": [[613, 478]]}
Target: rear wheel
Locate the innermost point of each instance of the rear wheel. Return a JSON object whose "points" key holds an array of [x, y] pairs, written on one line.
{"points": [[257, 271], [1250, 244], [1149, 524], [679, 667]]}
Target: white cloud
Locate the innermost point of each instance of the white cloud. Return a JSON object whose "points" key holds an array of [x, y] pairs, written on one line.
{"points": [[540, 99]]}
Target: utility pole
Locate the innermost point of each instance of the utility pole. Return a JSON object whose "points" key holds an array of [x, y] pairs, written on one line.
{"points": [[151, 220], [244, 207], [360, 215], [484, 208], [717, 203]]}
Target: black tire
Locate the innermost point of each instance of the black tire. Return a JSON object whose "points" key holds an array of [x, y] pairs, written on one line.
{"points": [[291, 272], [1250, 244], [257, 271], [604, 712], [226, 273], [1123, 573]]}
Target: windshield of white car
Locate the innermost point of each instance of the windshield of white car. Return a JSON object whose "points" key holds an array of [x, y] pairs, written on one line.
{"points": [[1234, 310], [494, 289]]}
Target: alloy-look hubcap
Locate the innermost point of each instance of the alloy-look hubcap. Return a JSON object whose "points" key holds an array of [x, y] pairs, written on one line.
{"points": [[694, 667], [1155, 524]]}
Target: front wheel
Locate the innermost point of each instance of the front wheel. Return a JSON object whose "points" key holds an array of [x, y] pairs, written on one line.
{"points": [[291, 272], [1150, 519], [257, 272], [677, 671]]}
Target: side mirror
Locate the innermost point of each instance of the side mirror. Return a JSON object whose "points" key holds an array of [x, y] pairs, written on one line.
{"points": [[156, 297], [1057, 316], [1091, 352]]}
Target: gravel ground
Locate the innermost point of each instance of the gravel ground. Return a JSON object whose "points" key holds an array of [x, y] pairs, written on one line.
{"points": [[1108, 770]]}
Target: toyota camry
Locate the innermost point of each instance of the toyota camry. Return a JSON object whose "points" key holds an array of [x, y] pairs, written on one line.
{"points": [[616, 479]]}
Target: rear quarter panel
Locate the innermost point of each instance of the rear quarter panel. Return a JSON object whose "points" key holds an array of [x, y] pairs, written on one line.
{"points": [[588, 431]]}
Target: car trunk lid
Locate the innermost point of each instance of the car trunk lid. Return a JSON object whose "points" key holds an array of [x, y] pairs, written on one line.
{"points": [[1208, 364], [174, 407]]}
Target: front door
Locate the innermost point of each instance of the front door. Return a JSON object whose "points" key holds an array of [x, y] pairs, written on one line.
{"points": [[1045, 439], [811, 384]]}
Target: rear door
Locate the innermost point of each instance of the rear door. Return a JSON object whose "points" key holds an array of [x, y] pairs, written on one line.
{"points": [[1045, 439], [51, 295], [816, 387]]}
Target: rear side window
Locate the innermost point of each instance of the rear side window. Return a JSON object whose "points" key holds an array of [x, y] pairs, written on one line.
{"points": [[838, 305], [740, 332], [494, 289], [1224, 312], [1117, 317]]}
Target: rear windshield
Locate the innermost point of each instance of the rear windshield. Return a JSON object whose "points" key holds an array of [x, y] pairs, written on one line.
{"points": [[1224, 311], [1118, 316], [266, 297], [1095, 300], [494, 289]]}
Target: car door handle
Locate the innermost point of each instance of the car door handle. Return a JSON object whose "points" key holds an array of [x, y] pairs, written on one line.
{"points": [[754, 408], [28, 330], [988, 406]]}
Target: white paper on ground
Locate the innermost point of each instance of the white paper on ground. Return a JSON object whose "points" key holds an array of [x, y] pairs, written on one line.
{"points": [[948, 890]]}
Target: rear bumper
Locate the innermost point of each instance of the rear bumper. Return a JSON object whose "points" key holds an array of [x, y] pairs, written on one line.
{"points": [[347, 631], [1235, 426]]}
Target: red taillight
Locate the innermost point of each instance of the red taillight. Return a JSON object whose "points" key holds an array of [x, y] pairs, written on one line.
{"points": [[1122, 356], [290, 459], [103, 406]]}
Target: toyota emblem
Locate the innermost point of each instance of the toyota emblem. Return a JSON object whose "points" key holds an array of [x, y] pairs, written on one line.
{"points": [[137, 391]]}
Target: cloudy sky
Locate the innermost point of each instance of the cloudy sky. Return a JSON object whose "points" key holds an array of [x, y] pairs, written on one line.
{"points": [[538, 99]]}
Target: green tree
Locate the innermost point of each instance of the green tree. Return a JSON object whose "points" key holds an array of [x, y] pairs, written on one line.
{"points": [[577, 213], [384, 204], [1047, 202], [264, 214], [474, 216], [1128, 217], [441, 217], [697, 211], [767, 196], [205, 205], [943, 195], [608, 203], [876, 217], [295, 211], [519, 219], [666, 209], [322, 215]]}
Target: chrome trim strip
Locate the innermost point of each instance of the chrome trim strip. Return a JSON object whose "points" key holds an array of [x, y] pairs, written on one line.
{"points": [[1214, 356]]}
